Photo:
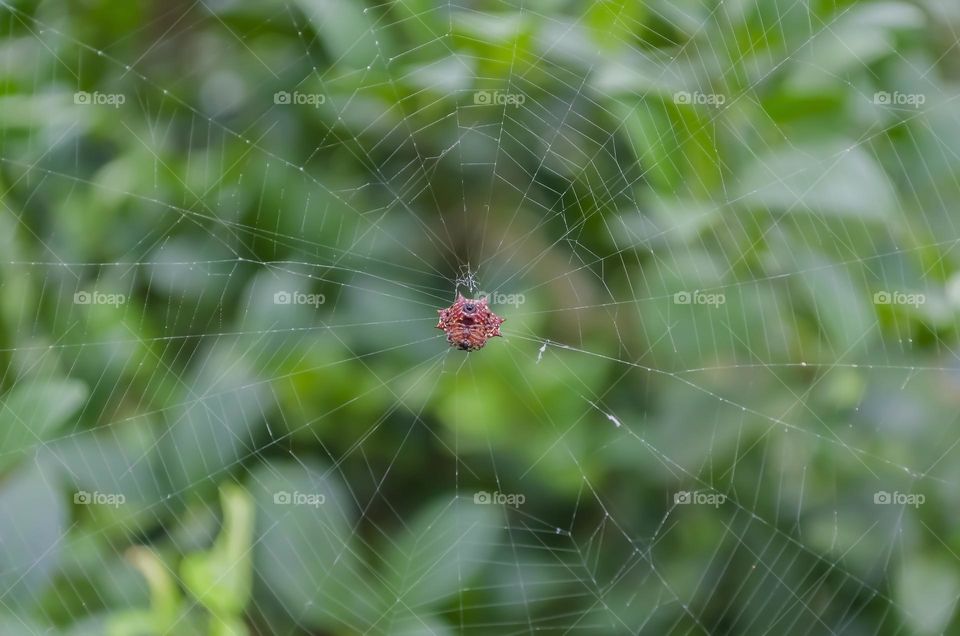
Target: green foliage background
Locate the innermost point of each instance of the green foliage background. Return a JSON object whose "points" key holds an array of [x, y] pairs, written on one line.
{"points": [[599, 199]]}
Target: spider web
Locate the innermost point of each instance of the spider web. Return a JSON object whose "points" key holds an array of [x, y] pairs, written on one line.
{"points": [[721, 235]]}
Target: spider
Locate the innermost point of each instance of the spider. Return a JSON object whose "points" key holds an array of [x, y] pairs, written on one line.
{"points": [[469, 323]]}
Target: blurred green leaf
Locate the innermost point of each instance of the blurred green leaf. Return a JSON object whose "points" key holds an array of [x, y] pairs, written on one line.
{"points": [[221, 578], [440, 551], [221, 412], [306, 557], [842, 308], [20, 626], [32, 411], [859, 36], [164, 599], [831, 180], [32, 525], [347, 31], [419, 625], [926, 589]]}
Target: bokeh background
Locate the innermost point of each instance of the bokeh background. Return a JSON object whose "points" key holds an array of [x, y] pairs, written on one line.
{"points": [[722, 235]]}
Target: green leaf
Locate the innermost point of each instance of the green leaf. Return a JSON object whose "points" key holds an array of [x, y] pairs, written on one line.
{"points": [[419, 625], [440, 551], [633, 76], [32, 524], [221, 579], [223, 407], [132, 623], [926, 591], [834, 180], [305, 555], [613, 23], [841, 307], [31, 411], [164, 598], [859, 38], [346, 29], [229, 627], [496, 28], [19, 626], [644, 124]]}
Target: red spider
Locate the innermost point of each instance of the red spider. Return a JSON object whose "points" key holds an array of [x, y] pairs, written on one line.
{"points": [[469, 323]]}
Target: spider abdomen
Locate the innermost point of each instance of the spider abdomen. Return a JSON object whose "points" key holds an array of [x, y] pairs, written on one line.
{"points": [[469, 323]]}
